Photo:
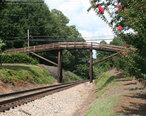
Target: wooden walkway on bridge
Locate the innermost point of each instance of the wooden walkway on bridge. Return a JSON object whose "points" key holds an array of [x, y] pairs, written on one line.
{"points": [[69, 45]]}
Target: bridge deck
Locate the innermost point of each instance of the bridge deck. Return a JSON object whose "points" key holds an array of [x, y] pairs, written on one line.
{"points": [[67, 45]]}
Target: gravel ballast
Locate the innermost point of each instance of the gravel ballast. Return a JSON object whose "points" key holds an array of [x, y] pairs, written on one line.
{"points": [[64, 103]]}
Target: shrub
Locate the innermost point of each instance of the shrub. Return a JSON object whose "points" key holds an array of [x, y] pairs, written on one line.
{"points": [[69, 77], [82, 70], [18, 58]]}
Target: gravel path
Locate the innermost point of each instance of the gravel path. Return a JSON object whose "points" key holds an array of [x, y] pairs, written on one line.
{"points": [[64, 103]]}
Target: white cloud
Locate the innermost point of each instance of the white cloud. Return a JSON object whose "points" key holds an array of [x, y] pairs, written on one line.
{"points": [[88, 23], [103, 34]]}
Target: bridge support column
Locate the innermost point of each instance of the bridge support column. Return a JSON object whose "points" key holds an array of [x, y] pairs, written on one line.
{"points": [[91, 67], [59, 66]]}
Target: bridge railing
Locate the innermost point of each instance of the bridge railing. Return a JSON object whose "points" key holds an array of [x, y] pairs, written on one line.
{"points": [[67, 45]]}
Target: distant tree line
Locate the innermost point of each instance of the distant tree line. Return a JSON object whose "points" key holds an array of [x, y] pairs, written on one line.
{"points": [[43, 24]]}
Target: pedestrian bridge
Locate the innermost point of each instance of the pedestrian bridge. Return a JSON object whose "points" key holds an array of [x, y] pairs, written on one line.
{"points": [[59, 46], [67, 45]]}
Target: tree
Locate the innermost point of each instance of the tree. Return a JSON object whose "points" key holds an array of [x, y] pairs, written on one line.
{"points": [[126, 15], [44, 25], [1, 44], [105, 65]]}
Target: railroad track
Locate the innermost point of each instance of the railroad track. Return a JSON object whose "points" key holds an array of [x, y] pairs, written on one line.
{"points": [[14, 99]]}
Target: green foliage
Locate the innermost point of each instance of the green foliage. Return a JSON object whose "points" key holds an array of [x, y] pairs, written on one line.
{"points": [[132, 16], [18, 58], [82, 70], [17, 18], [133, 65], [29, 73], [68, 59], [105, 65], [1, 44], [95, 71], [69, 77], [39, 20], [77, 61]]}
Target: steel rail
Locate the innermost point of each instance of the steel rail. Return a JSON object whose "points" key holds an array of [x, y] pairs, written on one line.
{"points": [[11, 100]]}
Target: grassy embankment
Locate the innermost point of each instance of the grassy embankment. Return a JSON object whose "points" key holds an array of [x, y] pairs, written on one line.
{"points": [[27, 73], [32, 74], [105, 101]]}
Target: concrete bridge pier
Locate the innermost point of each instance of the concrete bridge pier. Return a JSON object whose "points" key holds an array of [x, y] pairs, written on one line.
{"points": [[60, 66]]}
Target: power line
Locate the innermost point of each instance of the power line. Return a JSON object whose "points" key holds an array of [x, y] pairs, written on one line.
{"points": [[62, 37], [82, 36], [29, 26], [20, 15], [22, 1], [47, 36], [45, 40], [17, 15], [98, 39]]}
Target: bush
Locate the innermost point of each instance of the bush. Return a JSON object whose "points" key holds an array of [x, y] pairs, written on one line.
{"points": [[18, 58], [69, 77], [82, 70], [95, 71], [133, 65]]}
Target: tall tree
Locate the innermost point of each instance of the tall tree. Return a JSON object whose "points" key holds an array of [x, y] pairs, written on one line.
{"points": [[45, 26], [127, 15]]}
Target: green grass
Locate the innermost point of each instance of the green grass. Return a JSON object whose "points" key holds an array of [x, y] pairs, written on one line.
{"points": [[100, 81], [103, 81], [29, 73], [128, 78], [69, 77], [103, 107]]}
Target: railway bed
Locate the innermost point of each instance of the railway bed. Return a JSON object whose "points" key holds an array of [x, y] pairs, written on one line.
{"points": [[14, 99]]}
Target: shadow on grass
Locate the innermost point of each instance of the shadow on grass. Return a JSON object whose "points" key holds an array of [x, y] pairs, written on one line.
{"points": [[110, 79], [139, 111], [132, 83], [138, 96], [120, 75], [136, 107]]}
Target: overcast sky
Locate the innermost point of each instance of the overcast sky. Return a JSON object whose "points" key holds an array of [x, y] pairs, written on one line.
{"points": [[87, 23]]}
